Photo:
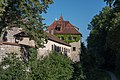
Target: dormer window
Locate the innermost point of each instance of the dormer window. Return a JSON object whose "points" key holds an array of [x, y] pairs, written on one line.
{"points": [[57, 28]]}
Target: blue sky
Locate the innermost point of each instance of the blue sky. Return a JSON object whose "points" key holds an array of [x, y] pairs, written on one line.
{"points": [[78, 12]]}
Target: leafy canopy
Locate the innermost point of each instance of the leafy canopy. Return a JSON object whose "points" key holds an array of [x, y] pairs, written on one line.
{"points": [[25, 14], [54, 67]]}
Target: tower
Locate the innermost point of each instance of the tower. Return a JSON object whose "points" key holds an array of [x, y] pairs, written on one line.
{"points": [[64, 30]]}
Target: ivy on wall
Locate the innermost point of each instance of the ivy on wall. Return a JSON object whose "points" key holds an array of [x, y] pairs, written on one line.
{"points": [[68, 38]]}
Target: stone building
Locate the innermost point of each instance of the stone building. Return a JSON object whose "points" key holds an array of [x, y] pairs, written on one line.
{"points": [[63, 37], [10, 43], [19, 42], [55, 44], [64, 30]]}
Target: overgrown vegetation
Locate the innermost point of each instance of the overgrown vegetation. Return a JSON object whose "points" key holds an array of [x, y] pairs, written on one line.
{"points": [[102, 52], [53, 67], [25, 14], [103, 49], [69, 38]]}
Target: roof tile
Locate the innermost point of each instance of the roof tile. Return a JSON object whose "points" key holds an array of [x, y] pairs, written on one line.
{"points": [[65, 27]]}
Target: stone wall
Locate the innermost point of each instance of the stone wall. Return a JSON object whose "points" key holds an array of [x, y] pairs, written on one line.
{"points": [[27, 41], [10, 34], [7, 48], [75, 55]]}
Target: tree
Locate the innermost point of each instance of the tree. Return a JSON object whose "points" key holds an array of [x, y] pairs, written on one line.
{"points": [[54, 67], [12, 68], [3, 4], [97, 47], [78, 73], [113, 39], [25, 14], [115, 3], [104, 41]]}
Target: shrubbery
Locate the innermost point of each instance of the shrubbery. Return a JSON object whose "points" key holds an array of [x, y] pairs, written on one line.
{"points": [[53, 67]]}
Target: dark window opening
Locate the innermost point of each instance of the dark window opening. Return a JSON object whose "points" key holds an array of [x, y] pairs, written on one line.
{"points": [[19, 38], [69, 38], [74, 38], [57, 28], [65, 54], [74, 48], [65, 51], [56, 48], [5, 36], [62, 38], [52, 47], [62, 49]]}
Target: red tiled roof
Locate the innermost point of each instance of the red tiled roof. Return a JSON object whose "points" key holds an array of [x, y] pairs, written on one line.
{"points": [[65, 27]]}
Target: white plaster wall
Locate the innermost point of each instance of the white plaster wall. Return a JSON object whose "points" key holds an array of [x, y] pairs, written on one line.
{"points": [[48, 48]]}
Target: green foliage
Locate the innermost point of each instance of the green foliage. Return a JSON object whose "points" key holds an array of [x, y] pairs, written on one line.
{"points": [[103, 42], [12, 68], [97, 49], [27, 15], [78, 72], [54, 67], [3, 4], [115, 3], [67, 40]]}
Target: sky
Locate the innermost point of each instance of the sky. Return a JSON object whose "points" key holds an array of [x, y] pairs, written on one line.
{"points": [[78, 12]]}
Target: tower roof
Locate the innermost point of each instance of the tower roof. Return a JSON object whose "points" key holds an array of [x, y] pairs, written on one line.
{"points": [[62, 27], [61, 18]]}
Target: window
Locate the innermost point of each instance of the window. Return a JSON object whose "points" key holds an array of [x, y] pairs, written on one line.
{"points": [[74, 48], [65, 51], [5, 36], [65, 54], [62, 38], [55, 48], [69, 38], [57, 28], [52, 47], [62, 49], [74, 38]]}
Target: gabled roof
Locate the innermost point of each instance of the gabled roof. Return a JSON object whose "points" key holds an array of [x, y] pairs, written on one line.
{"points": [[50, 37], [65, 27], [21, 34], [56, 39]]}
